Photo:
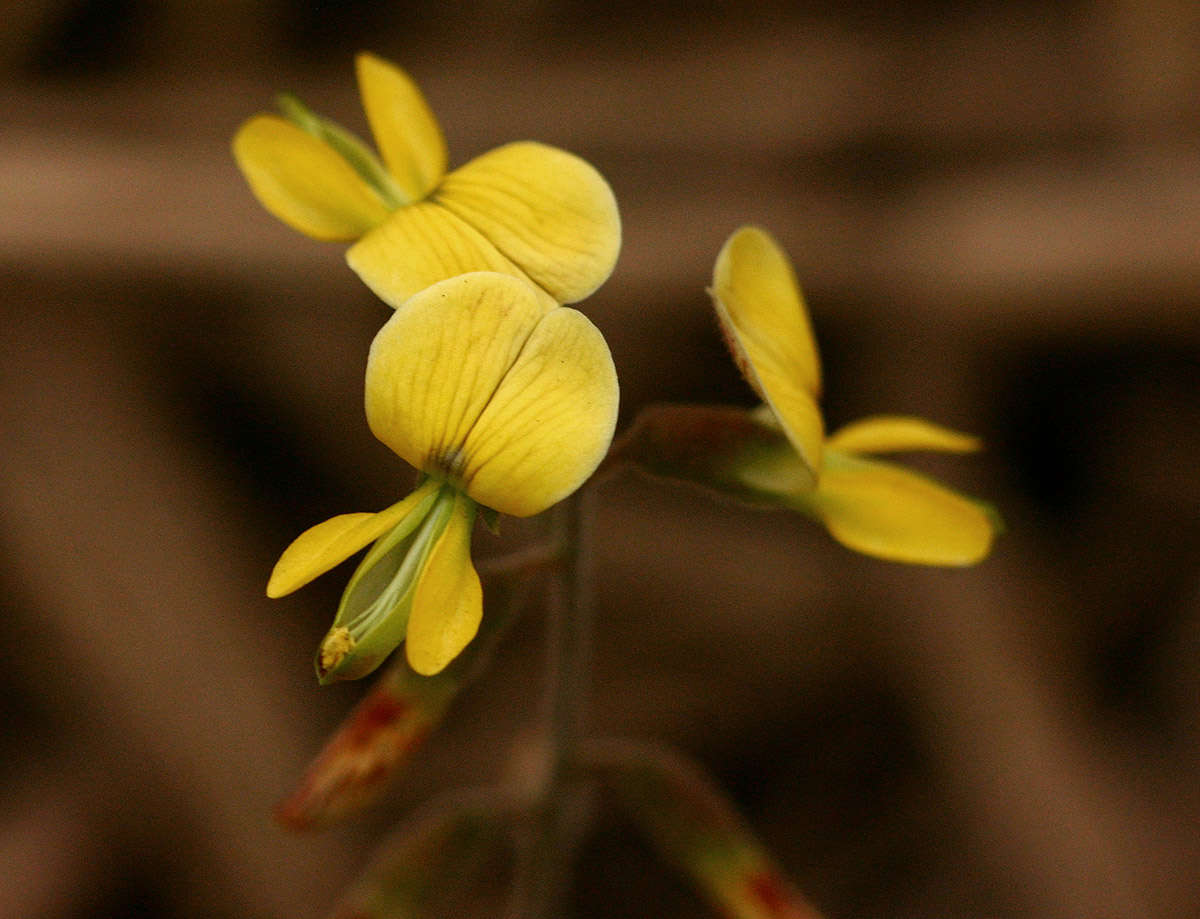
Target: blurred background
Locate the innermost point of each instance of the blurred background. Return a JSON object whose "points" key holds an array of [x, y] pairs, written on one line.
{"points": [[995, 211]]}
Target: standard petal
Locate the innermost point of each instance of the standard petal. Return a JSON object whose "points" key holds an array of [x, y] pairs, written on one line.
{"points": [[303, 182], [328, 544], [547, 210], [408, 135], [422, 244], [448, 604], [759, 298], [437, 362], [896, 433], [890, 512], [766, 324], [550, 421]]}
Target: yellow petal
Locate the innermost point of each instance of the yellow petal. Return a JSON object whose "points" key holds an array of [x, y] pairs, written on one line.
{"points": [[549, 423], [439, 359], [448, 604], [894, 433], [797, 414], [328, 544], [890, 512], [757, 290], [303, 182], [407, 133], [548, 211], [422, 244], [762, 312], [476, 381]]}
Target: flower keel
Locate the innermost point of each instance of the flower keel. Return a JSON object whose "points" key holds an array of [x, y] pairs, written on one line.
{"points": [[372, 618]]}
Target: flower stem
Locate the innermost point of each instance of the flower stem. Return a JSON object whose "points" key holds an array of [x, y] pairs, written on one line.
{"points": [[570, 629], [545, 862]]}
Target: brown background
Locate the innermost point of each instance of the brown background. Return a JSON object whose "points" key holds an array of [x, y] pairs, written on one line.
{"points": [[995, 210]]}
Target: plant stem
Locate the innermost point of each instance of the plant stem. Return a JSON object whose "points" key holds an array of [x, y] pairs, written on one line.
{"points": [[569, 636], [544, 864]]}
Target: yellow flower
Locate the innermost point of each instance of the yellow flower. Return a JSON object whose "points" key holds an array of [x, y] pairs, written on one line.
{"points": [[778, 454], [502, 401], [524, 209], [869, 505]]}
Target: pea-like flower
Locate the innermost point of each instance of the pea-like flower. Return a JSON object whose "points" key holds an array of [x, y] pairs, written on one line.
{"points": [[779, 454], [502, 401], [524, 209]]}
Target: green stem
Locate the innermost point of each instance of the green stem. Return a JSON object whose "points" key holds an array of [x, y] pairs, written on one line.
{"points": [[553, 830]]}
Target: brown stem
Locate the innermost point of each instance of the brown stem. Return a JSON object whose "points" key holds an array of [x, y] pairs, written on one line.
{"points": [[553, 829]]}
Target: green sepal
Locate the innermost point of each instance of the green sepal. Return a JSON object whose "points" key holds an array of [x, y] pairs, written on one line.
{"points": [[727, 450], [491, 519]]}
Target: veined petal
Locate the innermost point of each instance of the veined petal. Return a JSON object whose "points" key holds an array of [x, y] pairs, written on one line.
{"points": [[550, 421], [408, 135], [763, 316], [884, 510], [547, 210], [422, 244], [437, 362], [304, 182], [448, 604], [896, 433], [328, 544]]}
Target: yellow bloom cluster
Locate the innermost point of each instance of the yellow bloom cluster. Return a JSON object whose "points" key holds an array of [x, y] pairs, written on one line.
{"points": [[502, 398], [506, 400]]}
